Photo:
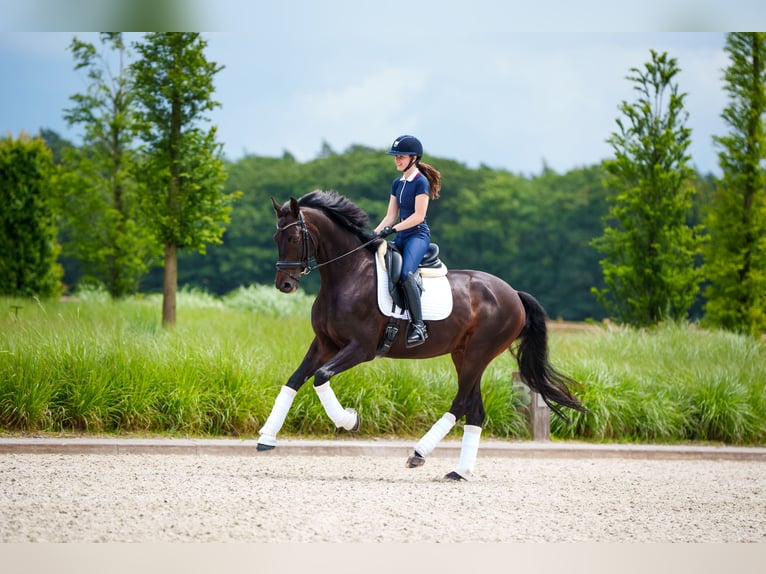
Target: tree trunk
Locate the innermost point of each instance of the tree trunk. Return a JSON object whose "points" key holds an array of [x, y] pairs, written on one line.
{"points": [[169, 286]]}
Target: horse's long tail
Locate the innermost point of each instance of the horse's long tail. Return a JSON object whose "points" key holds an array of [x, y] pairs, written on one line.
{"points": [[532, 357]]}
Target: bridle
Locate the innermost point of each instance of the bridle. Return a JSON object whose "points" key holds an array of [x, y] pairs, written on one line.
{"points": [[304, 262]]}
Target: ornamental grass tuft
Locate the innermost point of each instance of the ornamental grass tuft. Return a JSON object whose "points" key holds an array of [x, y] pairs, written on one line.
{"points": [[90, 364]]}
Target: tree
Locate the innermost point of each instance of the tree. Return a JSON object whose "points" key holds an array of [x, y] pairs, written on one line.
{"points": [[649, 264], [104, 226], [28, 247], [183, 167], [735, 258]]}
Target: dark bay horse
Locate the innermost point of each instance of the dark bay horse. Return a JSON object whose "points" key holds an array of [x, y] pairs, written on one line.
{"points": [[487, 316]]}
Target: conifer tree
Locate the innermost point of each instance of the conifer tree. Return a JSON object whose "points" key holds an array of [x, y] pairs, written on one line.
{"points": [[28, 245], [735, 258], [649, 250]]}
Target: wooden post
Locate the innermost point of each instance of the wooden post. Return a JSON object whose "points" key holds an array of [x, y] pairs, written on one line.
{"points": [[537, 413]]}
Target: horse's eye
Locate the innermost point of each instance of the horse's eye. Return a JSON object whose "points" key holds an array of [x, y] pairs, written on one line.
{"points": [[293, 239]]}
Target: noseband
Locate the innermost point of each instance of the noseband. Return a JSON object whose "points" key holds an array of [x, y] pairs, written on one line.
{"points": [[304, 263]]}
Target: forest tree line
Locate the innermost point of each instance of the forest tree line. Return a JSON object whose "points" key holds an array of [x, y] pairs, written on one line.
{"points": [[532, 231]]}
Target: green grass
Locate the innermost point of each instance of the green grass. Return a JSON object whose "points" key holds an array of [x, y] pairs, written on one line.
{"points": [[671, 383], [97, 366]]}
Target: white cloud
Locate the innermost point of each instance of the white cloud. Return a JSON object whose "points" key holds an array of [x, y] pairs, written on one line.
{"points": [[505, 99], [379, 105]]}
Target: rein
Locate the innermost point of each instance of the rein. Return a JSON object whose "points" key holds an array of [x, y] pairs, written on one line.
{"points": [[304, 263]]}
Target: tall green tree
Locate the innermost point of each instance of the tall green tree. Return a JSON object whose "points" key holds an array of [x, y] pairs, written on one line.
{"points": [[28, 246], [183, 168], [735, 258], [649, 249], [104, 228]]}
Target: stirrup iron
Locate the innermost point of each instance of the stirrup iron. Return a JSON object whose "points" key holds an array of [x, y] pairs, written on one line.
{"points": [[417, 335]]}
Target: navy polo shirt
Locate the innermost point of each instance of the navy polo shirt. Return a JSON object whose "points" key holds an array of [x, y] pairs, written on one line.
{"points": [[405, 190]]}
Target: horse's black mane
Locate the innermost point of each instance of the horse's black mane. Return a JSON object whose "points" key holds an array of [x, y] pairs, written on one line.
{"points": [[342, 210]]}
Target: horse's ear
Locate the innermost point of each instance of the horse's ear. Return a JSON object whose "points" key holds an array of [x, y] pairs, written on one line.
{"points": [[294, 207], [277, 207]]}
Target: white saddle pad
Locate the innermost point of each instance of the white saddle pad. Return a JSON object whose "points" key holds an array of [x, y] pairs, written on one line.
{"points": [[436, 299]]}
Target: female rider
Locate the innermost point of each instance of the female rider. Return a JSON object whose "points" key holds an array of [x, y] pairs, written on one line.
{"points": [[408, 203]]}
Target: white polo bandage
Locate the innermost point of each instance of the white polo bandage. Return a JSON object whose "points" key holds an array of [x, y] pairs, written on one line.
{"points": [[277, 416], [345, 418], [468, 450], [428, 443]]}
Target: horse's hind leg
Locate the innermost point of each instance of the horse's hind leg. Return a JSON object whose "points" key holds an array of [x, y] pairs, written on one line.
{"points": [[469, 402], [428, 443], [468, 451], [439, 430], [469, 448]]}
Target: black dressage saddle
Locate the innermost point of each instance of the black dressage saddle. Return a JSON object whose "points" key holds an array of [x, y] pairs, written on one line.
{"points": [[393, 259]]}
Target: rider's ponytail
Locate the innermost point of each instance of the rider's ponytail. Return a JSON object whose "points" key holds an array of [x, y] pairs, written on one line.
{"points": [[434, 178]]}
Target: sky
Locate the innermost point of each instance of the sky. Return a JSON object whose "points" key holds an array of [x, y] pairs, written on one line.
{"points": [[481, 85]]}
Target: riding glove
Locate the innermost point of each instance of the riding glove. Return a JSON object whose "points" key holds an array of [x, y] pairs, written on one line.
{"points": [[386, 231]]}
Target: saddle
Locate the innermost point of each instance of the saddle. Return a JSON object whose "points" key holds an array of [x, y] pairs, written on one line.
{"points": [[430, 265], [389, 261]]}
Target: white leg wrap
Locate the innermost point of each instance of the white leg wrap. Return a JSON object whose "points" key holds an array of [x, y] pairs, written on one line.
{"points": [[277, 416], [345, 418], [428, 443], [469, 450]]}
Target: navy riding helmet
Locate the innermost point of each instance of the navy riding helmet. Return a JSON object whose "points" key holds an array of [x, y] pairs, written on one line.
{"points": [[406, 145]]}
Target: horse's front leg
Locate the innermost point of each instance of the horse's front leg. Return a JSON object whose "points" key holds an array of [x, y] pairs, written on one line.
{"points": [[349, 356], [268, 433]]}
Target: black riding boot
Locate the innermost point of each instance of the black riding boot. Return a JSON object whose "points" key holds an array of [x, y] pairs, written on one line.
{"points": [[418, 334]]}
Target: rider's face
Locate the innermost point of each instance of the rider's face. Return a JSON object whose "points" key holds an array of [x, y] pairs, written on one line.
{"points": [[401, 162]]}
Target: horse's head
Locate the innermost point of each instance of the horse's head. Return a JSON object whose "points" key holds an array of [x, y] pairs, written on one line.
{"points": [[293, 245], [342, 227]]}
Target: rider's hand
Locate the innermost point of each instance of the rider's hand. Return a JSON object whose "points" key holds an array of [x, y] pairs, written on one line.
{"points": [[386, 231]]}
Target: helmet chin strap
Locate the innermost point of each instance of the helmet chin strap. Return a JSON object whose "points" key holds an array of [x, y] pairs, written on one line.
{"points": [[413, 160]]}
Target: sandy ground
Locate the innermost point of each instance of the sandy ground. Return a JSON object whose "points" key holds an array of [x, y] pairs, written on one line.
{"points": [[327, 498]]}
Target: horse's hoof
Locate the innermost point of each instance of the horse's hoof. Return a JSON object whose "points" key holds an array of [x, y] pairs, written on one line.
{"points": [[264, 447], [453, 476], [415, 460], [358, 419]]}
